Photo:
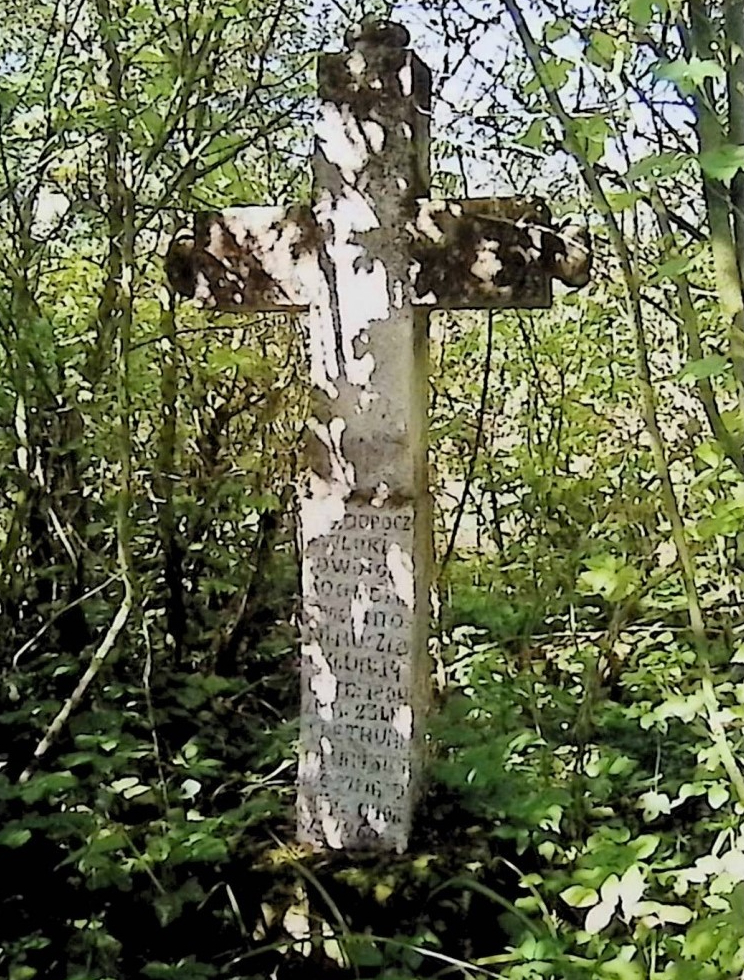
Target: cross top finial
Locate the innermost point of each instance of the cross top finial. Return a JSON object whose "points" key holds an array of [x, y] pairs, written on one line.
{"points": [[375, 33]]}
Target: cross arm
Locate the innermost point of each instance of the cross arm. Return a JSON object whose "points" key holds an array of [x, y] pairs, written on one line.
{"points": [[477, 253], [246, 258], [486, 253]]}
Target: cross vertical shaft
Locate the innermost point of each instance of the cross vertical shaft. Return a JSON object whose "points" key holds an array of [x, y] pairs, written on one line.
{"points": [[365, 513]]}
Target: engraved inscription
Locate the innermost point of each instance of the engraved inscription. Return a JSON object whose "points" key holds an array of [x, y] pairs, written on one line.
{"points": [[359, 626]]}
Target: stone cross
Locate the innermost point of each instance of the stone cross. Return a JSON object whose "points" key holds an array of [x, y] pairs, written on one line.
{"points": [[367, 261]]}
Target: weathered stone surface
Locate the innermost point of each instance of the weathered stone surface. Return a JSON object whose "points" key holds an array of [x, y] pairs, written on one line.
{"points": [[362, 701], [365, 511]]}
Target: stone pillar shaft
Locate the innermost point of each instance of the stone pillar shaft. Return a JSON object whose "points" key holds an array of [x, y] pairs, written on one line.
{"points": [[365, 512]]}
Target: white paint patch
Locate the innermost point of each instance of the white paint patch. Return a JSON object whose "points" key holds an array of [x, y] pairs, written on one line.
{"points": [[360, 606], [361, 288], [323, 683], [397, 294], [402, 183], [375, 819], [536, 237], [400, 566], [403, 721], [331, 435], [331, 825], [321, 508], [326, 745], [341, 140], [375, 135], [425, 222], [487, 265], [405, 77], [382, 492], [406, 130], [202, 291], [356, 62]]}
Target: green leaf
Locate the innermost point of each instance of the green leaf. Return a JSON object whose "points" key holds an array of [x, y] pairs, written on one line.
{"points": [[653, 804], [580, 897], [706, 367], [186, 969], [641, 12], [718, 794], [601, 50], [658, 165], [14, 836], [689, 75], [673, 268], [591, 132], [644, 846], [557, 29], [724, 162], [534, 136], [555, 74], [621, 968], [47, 784], [20, 971]]}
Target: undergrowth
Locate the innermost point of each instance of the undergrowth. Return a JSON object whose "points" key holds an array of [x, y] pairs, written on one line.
{"points": [[574, 826]]}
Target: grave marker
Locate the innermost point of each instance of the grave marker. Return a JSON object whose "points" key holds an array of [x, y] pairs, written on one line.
{"points": [[368, 260]]}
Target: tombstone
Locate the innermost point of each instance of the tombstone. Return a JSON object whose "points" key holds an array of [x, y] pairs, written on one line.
{"points": [[367, 261]]}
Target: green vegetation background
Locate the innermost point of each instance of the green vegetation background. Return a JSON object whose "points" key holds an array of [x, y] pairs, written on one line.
{"points": [[584, 813]]}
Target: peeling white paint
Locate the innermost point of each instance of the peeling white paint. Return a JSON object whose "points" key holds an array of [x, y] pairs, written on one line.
{"points": [[402, 183], [341, 140], [326, 745], [331, 825], [361, 286], [360, 606], [426, 224], [403, 721], [397, 294], [331, 435], [375, 135], [375, 819], [203, 291], [406, 130], [356, 62], [322, 507], [487, 265], [536, 237], [400, 566], [405, 77], [382, 493], [323, 683]]}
